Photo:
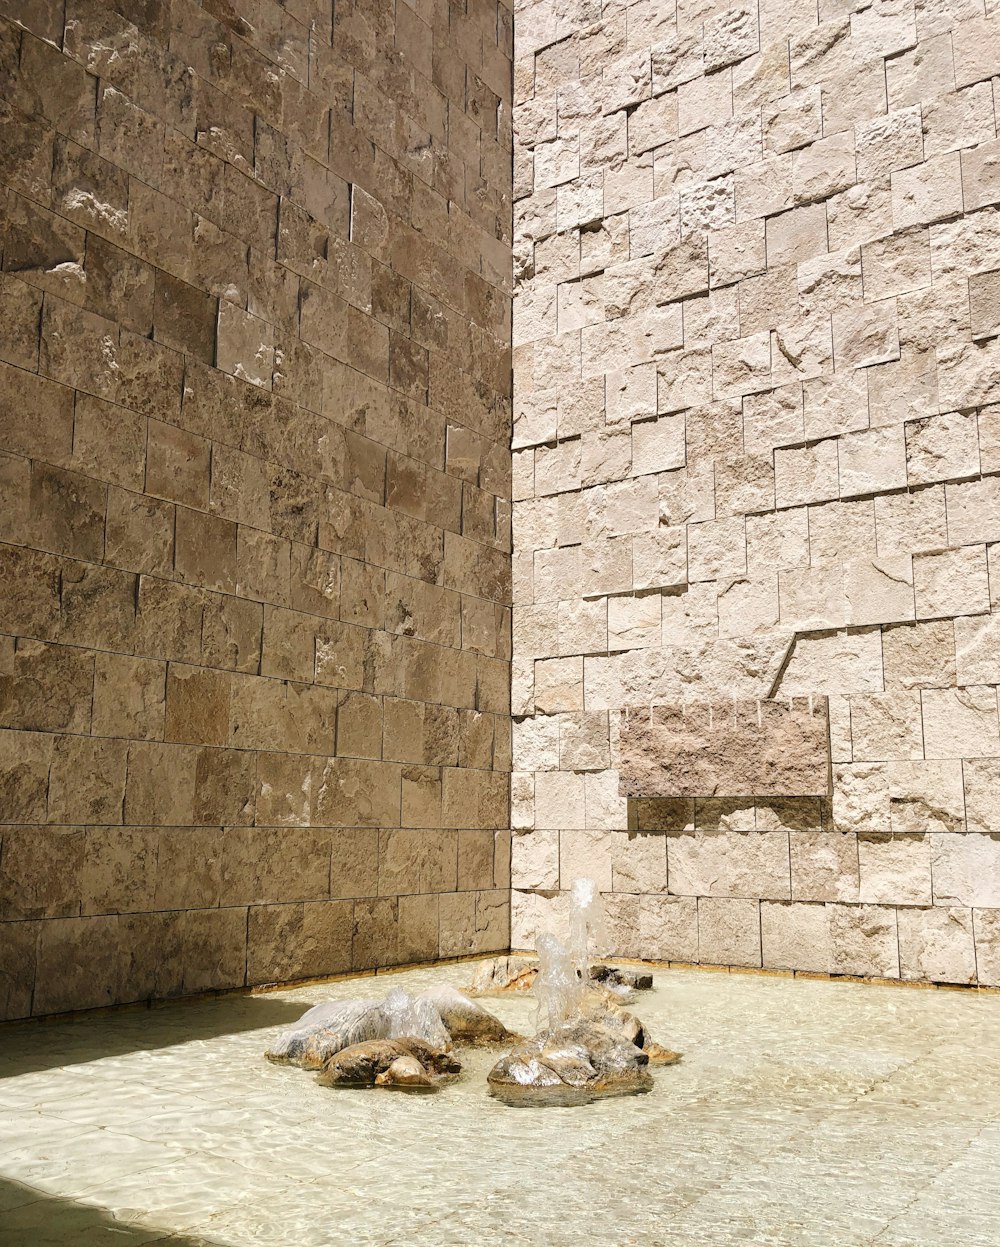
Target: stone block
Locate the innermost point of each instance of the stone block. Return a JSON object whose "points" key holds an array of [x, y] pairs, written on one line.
{"points": [[838, 662], [984, 302], [806, 474], [978, 650], [986, 930], [942, 448], [739, 748], [911, 523], [920, 655], [729, 863], [824, 866], [585, 854], [982, 794], [795, 936], [927, 192], [87, 780], [937, 945], [886, 726], [864, 941], [729, 932], [951, 582], [965, 870], [639, 862], [796, 235], [559, 800], [894, 870], [961, 722]]}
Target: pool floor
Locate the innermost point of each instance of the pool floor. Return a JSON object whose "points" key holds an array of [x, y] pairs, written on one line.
{"points": [[816, 1113]]}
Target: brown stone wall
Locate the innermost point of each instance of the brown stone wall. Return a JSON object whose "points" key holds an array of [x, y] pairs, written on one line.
{"points": [[254, 491]]}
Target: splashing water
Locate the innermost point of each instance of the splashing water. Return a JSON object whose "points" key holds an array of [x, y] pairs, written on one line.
{"points": [[564, 968]]}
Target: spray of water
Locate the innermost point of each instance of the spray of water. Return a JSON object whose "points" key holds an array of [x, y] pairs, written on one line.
{"points": [[564, 967]]}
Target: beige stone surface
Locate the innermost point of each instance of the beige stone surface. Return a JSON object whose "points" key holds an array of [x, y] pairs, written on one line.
{"points": [[729, 932]]}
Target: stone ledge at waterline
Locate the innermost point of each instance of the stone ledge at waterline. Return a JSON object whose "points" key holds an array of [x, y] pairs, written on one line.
{"points": [[726, 748]]}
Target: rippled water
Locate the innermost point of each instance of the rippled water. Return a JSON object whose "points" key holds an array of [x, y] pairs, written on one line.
{"points": [[803, 1113]]}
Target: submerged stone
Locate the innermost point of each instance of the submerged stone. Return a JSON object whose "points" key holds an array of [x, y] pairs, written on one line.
{"points": [[403, 1062]]}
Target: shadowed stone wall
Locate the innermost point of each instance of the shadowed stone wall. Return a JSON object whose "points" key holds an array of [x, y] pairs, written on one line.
{"points": [[254, 491], [756, 454]]}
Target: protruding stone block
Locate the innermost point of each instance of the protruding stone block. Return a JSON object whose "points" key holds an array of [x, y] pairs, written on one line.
{"points": [[736, 748]]}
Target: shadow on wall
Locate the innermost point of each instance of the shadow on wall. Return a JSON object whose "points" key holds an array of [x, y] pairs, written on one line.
{"points": [[30, 1046], [30, 1218]]}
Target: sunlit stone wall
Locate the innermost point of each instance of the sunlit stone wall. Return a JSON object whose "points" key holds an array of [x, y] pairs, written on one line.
{"points": [[254, 491], [757, 263]]}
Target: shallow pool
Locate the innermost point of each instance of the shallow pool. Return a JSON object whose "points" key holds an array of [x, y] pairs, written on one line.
{"points": [[804, 1112]]}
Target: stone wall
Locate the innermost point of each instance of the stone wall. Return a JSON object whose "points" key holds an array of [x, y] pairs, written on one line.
{"points": [[757, 263], [254, 491]]}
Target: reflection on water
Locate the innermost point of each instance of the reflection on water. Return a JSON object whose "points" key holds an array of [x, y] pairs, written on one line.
{"points": [[803, 1113]]}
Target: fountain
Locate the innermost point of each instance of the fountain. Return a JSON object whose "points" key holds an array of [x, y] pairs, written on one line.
{"points": [[586, 1046], [590, 1047]]}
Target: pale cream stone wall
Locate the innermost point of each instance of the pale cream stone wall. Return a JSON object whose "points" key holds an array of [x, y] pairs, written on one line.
{"points": [[757, 452], [254, 491]]}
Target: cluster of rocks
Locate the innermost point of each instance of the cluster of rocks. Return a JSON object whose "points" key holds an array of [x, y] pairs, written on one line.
{"points": [[407, 1041]]}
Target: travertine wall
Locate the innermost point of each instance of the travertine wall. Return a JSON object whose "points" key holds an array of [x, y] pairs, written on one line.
{"points": [[254, 491], [757, 254]]}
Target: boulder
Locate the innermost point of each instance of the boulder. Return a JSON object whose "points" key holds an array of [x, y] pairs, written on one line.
{"points": [[405, 1071], [466, 1021], [364, 1064], [327, 1028]]}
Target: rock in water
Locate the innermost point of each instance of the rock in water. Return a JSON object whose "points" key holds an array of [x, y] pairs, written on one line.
{"points": [[337, 1024], [576, 1062], [405, 1071], [465, 1021], [615, 976], [362, 1065], [504, 974], [517, 974], [325, 1029]]}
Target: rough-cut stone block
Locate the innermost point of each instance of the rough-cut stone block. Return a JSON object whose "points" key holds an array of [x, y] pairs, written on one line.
{"points": [[966, 870], [961, 722], [729, 932], [795, 936], [739, 748], [895, 870], [937, 944], [864, 941]]}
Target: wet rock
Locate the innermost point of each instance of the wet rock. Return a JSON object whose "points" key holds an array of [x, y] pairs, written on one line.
{"points": [[465, 1021], [405, 1071], [577, 1061], [615, 976], [517, 974], [326, 1029], [505, 974], [389, 1062]]}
